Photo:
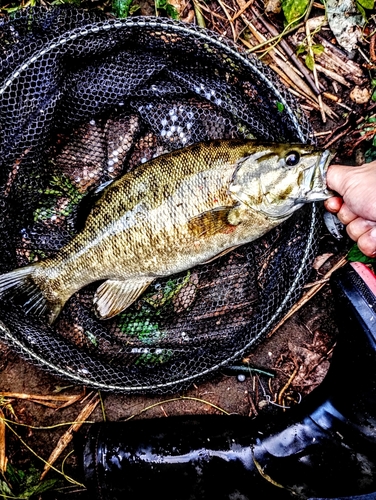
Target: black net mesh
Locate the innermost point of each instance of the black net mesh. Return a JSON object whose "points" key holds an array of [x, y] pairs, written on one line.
{"points": [[84, 99]]}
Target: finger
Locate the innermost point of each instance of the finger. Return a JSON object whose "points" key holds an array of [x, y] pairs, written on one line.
{"points": [[333, 204], [345, 215], [358, 227], [336, 177], [367, 243]]}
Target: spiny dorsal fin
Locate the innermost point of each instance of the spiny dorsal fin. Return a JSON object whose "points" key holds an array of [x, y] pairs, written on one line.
{"points": [[113, 296]]}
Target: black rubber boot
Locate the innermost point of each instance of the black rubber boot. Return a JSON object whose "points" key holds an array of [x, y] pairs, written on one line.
{"points": [[324, 448]]}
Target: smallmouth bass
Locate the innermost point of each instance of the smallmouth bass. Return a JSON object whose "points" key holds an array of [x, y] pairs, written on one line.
{"points": [[172, 213]]}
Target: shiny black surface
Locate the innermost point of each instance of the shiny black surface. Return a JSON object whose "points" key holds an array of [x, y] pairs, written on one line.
{"points": [[324, 448]]}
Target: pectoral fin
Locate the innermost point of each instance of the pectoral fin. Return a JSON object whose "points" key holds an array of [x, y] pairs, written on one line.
{"points": [[211, 222], [112, 297]]}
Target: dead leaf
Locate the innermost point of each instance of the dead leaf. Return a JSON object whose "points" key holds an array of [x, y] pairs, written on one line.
{"points": [[359, 95], [273, 6], [320, 260], [313, 366], [346, 22]]}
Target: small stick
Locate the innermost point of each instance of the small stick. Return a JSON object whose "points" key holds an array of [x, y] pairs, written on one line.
{"points": [[67, 437], [308, 12], [309, 43], [286, 386], [336, 99], [372, 53], [3, 457], [308, 295], [320, 134], [206, 9], [335, 87], [341, 134], [333, 75], [199, 15], [260, 37], [286, 47], [275, 38], [229, 18], [49, 401], [244, 8], [252, 409]]}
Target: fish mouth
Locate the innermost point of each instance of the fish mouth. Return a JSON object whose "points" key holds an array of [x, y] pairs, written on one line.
{"points": [[315, 185]]}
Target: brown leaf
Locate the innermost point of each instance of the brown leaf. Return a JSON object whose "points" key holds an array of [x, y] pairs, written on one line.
{"points": [[320, 260]]}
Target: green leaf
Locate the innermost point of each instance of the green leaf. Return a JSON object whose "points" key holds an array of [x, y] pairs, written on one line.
{"points": [[39, 488], [5, 490], [374, 140], [121, 8], [170, 9], [309, 62], [374, 96], [361, 10], [280, 106], [356, 255], [318, 49], [300, 49], [294, 9], [367, 4], [370, 155]]}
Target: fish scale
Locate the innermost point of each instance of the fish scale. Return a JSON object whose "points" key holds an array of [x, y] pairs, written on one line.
{"points": [[172, 213]]}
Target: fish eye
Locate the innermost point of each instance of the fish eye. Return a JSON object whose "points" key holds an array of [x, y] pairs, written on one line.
{"points": [[292, 158]]}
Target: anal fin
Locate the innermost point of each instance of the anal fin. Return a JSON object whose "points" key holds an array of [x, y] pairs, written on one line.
{"points": [[113, 296]]}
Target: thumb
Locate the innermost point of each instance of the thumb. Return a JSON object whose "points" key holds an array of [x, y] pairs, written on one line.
{"points": [[337, 178]]}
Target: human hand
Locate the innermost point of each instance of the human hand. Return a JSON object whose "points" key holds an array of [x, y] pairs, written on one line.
{"points": [[356, 205]]}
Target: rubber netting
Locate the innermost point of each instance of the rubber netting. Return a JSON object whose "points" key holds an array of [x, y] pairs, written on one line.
{"points": [[84, 99]]}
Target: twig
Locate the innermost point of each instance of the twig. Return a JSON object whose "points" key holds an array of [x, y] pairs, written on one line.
{"points": [[307, 296], [173, 400], [309, 43], [335, 139], [333, 75], [206, 9], [244, 8], [198, 13], [372, 54], [67, 437], [308, 12], [71, 480], [229, 18], [336, 99], [3, 457], [275, 38], [252, 405], [260, 37], [286, 386], [289, 51], [49, 401]]}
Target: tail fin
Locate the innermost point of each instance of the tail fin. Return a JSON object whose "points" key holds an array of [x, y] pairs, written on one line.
{"points": [[21, 282]]}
